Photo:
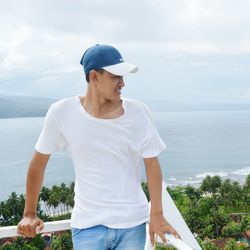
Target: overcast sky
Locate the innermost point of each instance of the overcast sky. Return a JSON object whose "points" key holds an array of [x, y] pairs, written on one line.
{"points": [[186, 50]]}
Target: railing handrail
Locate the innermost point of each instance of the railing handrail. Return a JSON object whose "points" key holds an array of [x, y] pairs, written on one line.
{"points": [[54, 226]]}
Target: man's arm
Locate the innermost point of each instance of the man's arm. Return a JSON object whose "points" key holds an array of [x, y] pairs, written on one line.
{"points": [[158, 224], [30, 222]]}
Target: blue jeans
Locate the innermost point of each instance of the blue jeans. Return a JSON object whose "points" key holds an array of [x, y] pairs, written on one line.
{"points": [[104, 238]]}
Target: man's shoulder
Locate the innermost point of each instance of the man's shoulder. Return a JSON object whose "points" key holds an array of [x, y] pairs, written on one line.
{"points": [[63, 104]]}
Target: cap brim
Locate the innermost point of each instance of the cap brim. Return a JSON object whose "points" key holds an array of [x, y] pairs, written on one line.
{"points": [[121, 69]]}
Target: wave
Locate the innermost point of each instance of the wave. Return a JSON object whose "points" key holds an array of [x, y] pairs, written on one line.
{"points": [[172, 179], [203, 175], [198, 178], [243, 171]]}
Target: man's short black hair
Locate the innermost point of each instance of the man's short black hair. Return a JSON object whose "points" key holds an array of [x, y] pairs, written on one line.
{"points": [[98, 70]]}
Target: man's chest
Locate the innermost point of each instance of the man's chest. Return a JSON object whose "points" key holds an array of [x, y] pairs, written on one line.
{"points": [[85, 135]]}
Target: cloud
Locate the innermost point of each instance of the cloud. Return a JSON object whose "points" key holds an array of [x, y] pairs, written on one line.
{"points": [[186, 49]]}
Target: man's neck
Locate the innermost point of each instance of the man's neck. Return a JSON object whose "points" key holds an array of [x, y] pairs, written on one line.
{"points": [[100, 107]]}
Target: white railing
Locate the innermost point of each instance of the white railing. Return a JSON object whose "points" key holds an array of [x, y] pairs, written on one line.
{"points": [[54, 226]]}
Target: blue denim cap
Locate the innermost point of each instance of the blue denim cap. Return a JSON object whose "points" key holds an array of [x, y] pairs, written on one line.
{"points": [[108, 58]]}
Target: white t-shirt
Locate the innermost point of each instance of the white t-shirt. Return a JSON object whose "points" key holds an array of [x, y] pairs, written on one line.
{"points": [[106, 155]]}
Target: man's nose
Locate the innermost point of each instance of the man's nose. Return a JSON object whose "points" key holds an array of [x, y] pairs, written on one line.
{"points": [[121, 82]]}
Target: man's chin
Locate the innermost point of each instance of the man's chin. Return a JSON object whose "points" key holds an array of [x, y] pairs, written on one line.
{"points": [[117, 96], [113, 98]]}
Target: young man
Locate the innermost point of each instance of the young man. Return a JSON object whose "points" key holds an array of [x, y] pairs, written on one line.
{"points": [[107, 137]]}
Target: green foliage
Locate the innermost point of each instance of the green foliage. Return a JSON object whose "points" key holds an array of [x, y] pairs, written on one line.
{"points": [[180, 199], [245, 198], [164, 248], [62, 242], [20, 243], [232, 229], [192, 193], [144, 186], [11, 209], [211, 184], [8, 247], [58, 200], [232, 245], [207, 209], [207, 245], [38, 242], [230, 193], [216, 209], [245, 223]]}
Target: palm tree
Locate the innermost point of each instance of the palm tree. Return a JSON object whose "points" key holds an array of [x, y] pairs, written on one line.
{"points": [[64, 191], [70, 201], [245, 195], [54, 199], [211, 184], [13, 202], [192, 193], [215, 183], [226, 189], [247, 183], [72, 187], [218, 220], [15, 205], [4, 214], [44, 196]]}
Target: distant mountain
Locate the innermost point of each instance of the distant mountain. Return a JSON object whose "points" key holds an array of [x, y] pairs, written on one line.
{"points": [[23, 106], [163, 105]]}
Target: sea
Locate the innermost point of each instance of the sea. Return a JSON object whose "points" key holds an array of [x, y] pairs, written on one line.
{"points": [[199, 143]]}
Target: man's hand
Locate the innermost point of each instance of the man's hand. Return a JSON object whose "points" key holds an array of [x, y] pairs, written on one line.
{"points": [[159, 225], [29, 226]]}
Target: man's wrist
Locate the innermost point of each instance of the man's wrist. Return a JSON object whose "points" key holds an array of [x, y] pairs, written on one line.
{"points": [[29, 214], [156, 212]]}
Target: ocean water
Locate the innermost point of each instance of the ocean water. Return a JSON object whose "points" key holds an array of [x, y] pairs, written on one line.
{"points": [[198, 143]]}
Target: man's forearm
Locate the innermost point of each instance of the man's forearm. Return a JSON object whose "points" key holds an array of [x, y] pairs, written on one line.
{"points": [[34, 182], [154, 177]]}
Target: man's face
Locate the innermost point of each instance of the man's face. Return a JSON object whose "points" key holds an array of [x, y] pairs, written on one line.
{"points": [[109, 86]]}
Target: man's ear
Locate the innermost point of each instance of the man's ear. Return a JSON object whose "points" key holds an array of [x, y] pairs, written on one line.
{"points": [[93, 76]]}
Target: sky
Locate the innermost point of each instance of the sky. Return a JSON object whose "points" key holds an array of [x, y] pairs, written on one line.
{"points": [[186, 50]]}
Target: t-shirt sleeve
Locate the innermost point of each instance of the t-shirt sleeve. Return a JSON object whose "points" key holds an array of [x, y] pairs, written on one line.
{"points": [[153, 144], [51, 138]]}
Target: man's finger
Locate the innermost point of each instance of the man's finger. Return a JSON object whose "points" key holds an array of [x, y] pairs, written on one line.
{"points": [[19, 231], [33, 230], [25, 231], [29, 232], [163, 238], [152, 238], [177, 236], [33, 233], [40, 227]]}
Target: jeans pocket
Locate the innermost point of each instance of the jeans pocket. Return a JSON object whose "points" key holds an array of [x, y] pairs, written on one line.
{"points": [[75, 231]]}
